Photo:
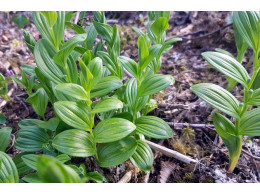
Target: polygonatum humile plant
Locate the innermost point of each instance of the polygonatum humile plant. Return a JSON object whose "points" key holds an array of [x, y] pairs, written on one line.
{"points": [[244, 116], [96, 114]]}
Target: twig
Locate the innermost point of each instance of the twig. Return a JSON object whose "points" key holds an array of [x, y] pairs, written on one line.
{"points": [[200, 37], [174, 106], [179, 126], [13, 140], [147, 175], [127, 177], [251, 155], [171, 153]]}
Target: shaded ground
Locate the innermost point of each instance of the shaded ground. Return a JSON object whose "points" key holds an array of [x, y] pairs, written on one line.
{"points": [[177, 104]]}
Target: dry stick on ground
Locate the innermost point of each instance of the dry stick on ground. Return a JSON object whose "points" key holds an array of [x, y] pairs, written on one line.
{"points": [[178, 126], [127, 177], [200, 37], [171, 153]]}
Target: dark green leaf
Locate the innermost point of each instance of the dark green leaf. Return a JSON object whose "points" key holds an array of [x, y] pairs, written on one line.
{"points": [[5, 134], [30, 160], [20, 20], [115, 153], [29, 40], [143, 156], [20, 165], [2, 119], [95, 176], [254, 98], [32, 178]]}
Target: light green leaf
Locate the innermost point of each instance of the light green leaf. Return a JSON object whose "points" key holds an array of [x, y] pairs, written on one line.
{"points": [[30, 160], [217, 97], [72, 90], [50, 170], [50, 16], [159, 27], [155, 83], [115, 153], [46, 64], [107, 104], [78, 29], [112, 129], [5, 134], [131, 93], [228, 66], [32, 178], [130, 65], [62, 56], [29, 40], [153, 52], [254, 98], [105, 85], [143, 51], [250, 123], [95, 176], [8, 171], [75, 143], [153, 127], [246, 23], [143, 156], [39, 101], [105, 31], [75, 114]]}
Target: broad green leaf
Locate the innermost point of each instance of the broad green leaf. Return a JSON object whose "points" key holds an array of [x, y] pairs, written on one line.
{"points": [[107, 104], [32, 178], [62, 56], [20, 20], [153, 127], [153, 52], [240, 42], [75, 114], [46, 64], [95, 66], [50, 170], [138, 31], [130, 65], [86, 77], [217, 97], [105, 85], [233, 143], [75, 143], [23, 124], [8, 171], [22, 168], [105, 31], [131, 93], [59, 27], [99, 16], [31, 139], [228, 66], [254, 98], [112, 129], [29, 40], [72, 90], [115, 153], [69, 15], [50, 16], [159, 27], [246, 23], [143, 156], [109, 63], [143, 50], [219, 50], [30, 160], [155, 83], [5, 134], [39, 101], [2, 119], [51, 124], [250, 123], [92, 35], [78, 29], [171, 41]]}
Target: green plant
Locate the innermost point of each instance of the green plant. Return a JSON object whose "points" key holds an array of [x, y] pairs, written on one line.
{"points": [[4, 88], [246, 119], [95, 91]]}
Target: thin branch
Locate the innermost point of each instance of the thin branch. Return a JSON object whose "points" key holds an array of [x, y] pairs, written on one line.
{"points": [[179, 126], [171, 153], [126, 178]]}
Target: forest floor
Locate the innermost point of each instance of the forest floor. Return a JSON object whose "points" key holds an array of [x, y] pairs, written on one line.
{"points": [[201, 31]]}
